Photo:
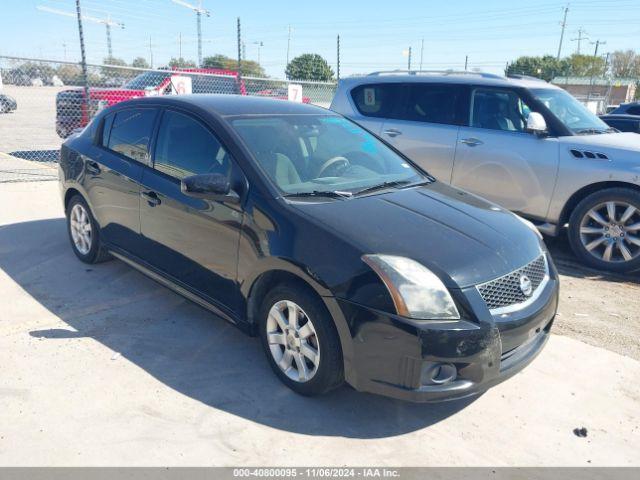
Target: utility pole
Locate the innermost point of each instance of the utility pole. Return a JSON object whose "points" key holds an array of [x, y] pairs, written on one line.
{"points": [[244, 51], [288, 44], [421, 52], [64, 47], [150, 52], [260, 44], [409, 60], [563, 24], [338, 57], [199, 12], [83, 59], [239, 51], [597, 43], [466, 62], [581, 37], [107, 22], [180, 45]]}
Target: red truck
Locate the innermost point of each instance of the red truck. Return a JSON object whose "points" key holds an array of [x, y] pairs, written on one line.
{"points": [[72, 111]]}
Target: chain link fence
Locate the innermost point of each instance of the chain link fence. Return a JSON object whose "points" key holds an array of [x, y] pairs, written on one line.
{"points": [[42, 102]]}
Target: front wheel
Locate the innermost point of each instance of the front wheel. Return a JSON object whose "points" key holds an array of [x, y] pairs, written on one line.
{"points": [[604, 230], [300, 340]]}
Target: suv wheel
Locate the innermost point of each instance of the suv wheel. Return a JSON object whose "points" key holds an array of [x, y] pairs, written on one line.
{"points": [[604, 230], [300, 340], [84, 232]]}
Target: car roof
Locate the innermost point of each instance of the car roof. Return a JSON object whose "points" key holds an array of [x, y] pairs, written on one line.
{"points": [[233, 105], [461, 78]]}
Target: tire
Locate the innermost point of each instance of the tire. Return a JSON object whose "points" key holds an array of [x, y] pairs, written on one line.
{"points": [[4, 108], [91, 250], [591, 235], [328, 372]]}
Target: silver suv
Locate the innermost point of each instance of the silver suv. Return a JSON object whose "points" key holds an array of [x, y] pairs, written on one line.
{"points": [[521, 142]]}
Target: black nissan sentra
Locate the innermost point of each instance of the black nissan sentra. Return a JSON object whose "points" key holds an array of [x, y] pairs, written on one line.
{"points": [[298, 226]]}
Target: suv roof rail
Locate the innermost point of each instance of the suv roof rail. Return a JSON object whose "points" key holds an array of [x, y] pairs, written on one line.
{"points": [[434, 72], [519, 76]]}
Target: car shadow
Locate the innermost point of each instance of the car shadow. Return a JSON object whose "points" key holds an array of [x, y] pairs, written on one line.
{"points": [[568, 264], [187, 348]]}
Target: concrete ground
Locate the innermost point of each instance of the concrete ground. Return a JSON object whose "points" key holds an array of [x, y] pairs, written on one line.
{"points": [[102, 366]]}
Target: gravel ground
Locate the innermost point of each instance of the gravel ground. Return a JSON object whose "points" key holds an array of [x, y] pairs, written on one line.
{"points": [[595, 307]]}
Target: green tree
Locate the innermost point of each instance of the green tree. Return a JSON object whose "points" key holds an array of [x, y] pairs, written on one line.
{"points": [[309, 66], [181, 63], [586, 65], [545, 67], [249, 67], [625, 63], [113, 75], [139, 62]]}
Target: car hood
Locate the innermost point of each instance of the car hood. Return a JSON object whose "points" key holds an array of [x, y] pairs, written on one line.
{"points": [[622, 141], [459, 236]]}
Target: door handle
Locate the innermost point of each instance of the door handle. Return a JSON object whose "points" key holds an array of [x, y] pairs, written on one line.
{"points": [[392, 132], [151, 198], [471, 142], [93, 168]]}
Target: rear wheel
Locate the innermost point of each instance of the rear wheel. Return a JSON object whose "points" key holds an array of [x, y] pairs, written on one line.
{"points": [[300, 340], [604, 230], [84, 232]]}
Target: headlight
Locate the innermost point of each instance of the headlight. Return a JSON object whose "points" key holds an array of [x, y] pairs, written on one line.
{"points": [[416, 291]]}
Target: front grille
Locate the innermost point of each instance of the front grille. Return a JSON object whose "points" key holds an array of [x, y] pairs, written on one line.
{"points": [[506, 292]]}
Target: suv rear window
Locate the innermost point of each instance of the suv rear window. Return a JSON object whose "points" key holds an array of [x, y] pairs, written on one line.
{"points": [[376, 100]]}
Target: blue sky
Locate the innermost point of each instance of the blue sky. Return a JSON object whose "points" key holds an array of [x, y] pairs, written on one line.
{"points": [[373, 33]]}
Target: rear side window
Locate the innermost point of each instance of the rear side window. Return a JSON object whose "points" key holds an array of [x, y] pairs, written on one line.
{"points": [[432, 103], [185, 147], [635, 110], [376, 100], [131, 132]]}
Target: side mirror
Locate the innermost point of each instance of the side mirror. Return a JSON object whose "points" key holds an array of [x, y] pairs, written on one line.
{"points": [[211, 186], [536, 124]]}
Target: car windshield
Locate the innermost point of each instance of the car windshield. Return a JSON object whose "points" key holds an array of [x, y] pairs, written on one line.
{"points": [[146, 80], [570, 111], [322, 155]]}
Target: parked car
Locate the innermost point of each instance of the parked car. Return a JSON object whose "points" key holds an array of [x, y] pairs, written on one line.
{"points": [[346, 259], [631, 108], [279, 93], [73, 112], [622, 122], [7, 104], [520, 142]]}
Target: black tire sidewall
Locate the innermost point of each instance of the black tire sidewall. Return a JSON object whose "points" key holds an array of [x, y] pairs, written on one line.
{"points": [[616, 194], [92, 254], [330, 371]]}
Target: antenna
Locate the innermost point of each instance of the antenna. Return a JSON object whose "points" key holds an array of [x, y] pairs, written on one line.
{"points": [[107, 22], [199, 12]]}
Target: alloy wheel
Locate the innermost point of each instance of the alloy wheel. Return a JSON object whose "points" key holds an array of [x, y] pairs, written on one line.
{"points": [[293, 341], [80, 226], [610, 231]]}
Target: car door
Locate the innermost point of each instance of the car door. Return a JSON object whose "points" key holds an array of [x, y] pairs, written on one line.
{"points": [[114, 173], [194, 241], [425, 126], [498, 159]]}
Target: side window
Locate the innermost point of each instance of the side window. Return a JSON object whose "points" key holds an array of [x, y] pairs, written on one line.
{"points": [[635, 110], [106, 128], [376, 100], [131, 131], [432, 103], [185, 147], [497, 109]]}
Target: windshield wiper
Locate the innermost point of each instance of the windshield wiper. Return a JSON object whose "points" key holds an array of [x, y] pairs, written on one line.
{"points": [[586, 131], [393, 184], [321, 193]]}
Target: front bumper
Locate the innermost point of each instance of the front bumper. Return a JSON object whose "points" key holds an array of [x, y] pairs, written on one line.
{"points": [[390, 353]]}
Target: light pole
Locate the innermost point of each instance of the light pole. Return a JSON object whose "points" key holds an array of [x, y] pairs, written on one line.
{"points": [[199, 12], [260, 45]]}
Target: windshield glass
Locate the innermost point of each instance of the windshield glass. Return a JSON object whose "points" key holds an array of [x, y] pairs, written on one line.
{"points": [[322, 154], [570, 111], [146, 79]]}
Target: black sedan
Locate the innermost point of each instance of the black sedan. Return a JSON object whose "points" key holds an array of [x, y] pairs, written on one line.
{"points": [[297, 225], [7, 104]]}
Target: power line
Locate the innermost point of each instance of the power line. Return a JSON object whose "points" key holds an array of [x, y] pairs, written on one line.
{"points": [[199, 12], [581, 32]]}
